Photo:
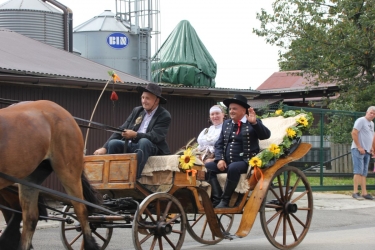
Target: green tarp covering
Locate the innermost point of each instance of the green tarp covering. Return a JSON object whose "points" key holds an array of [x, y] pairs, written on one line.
{"points": [[183, 59]]}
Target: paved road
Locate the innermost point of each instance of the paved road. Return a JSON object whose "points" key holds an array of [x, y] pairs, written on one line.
{"points": [[339, 222]]}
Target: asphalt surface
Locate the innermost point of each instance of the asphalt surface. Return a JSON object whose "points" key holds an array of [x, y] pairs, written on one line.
{"points": [[339, 221], [322, 201]]}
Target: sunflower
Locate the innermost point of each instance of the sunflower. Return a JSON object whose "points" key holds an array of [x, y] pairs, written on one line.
{"points": [[255, 162], [279, 112], [291, 133], [302, 120], [274, 149], [187, 159]]}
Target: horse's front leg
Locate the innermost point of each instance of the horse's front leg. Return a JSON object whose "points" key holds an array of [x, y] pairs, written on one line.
{"points": [[30, 215]]}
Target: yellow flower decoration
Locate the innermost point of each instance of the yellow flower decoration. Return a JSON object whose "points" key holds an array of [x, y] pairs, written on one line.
{"points": [[255, 162], [302, 120], [274, 149], [278, 112], [187, 159], [291, 133]]}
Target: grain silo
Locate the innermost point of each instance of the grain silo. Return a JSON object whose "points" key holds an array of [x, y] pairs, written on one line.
{"points": [[121, 40], [38, 20], [108, 41]]}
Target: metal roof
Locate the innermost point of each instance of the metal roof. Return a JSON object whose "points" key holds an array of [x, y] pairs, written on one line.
{"points": [[290, 81], [294, 84], [37, 5], [31, 62], [106, 21], [22, 55]]}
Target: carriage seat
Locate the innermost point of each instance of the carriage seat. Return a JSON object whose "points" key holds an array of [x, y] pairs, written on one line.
{"points": [[162, 172], [159, 169], [161, 163], [278, 126]]}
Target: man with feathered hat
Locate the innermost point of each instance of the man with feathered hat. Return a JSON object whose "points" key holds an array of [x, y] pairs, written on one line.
{"points": [[238, 142]]}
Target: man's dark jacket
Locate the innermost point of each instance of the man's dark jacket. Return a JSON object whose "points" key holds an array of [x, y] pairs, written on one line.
{"points": [[244, 146], [156, 130]]}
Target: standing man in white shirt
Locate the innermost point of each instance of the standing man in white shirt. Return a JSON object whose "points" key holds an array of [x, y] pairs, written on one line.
{"points": [[362, 135]]}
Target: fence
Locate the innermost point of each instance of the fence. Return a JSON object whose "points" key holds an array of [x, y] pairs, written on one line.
{"points": [[330, 156]]}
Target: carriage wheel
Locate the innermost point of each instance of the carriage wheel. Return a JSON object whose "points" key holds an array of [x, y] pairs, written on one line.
{"points": [[200, 231], [286, 214], [159, 223], [72, 237]]}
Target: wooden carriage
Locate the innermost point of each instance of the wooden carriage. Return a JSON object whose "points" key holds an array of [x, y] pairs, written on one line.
{"points": [[162, 205]]}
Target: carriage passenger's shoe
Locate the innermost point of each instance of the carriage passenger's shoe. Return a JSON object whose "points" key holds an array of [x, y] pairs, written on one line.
{"points": [[230, 186], [223, 203], [368, 197], [357, 196], [216, 192]]}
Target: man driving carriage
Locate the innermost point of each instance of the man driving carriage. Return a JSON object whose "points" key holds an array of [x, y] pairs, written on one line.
{"points": [[144, 131], [238, 142]]}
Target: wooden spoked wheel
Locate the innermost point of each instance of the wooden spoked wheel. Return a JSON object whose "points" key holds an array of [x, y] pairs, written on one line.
{"points": [[199, 229], [286, 212], [159, 223], [72, 237]]}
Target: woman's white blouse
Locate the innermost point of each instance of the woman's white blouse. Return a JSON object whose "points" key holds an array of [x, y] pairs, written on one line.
{"points": [[206, 140]]}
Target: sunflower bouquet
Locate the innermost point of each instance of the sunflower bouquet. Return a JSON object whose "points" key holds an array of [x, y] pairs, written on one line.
{"points": [[291, 139]]}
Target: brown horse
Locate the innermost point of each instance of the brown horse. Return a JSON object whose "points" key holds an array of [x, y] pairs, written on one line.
{"points": [[37, 138]]}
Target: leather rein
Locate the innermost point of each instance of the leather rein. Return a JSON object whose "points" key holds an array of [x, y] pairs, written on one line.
{"points": [[100, 126]]}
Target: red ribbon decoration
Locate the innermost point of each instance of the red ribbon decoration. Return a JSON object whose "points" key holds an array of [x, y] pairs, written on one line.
{"points": [[239, 127]]}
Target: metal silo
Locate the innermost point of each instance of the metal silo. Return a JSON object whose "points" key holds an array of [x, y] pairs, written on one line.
{"points": [[108, 41], [37, 20]]}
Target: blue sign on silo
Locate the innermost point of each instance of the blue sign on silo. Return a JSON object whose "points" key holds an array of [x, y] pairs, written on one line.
{"points": [[117, 40]]}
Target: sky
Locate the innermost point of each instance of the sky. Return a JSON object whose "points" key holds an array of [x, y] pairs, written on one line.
{"points": [[243, 59]]}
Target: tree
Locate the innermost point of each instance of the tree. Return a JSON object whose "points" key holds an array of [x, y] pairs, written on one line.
{"points": [[331, 39]]}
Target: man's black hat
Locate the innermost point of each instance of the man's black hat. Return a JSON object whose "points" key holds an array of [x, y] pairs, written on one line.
{"points": [[238, 99], [153, 89]]}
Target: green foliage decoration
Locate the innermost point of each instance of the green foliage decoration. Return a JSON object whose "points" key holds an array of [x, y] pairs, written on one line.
{"points": [[273, 152]]}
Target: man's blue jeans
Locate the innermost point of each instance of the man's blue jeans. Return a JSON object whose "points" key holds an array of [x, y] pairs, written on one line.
{"points": [[360, 162], [144, 149]]}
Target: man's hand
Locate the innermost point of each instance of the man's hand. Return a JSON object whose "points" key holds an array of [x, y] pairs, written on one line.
{"points": [[362, 151], [100, 151], [221, 165], [252, 117], [129, 134]]}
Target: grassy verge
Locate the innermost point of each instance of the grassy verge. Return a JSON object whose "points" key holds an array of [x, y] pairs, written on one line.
{"points": [[334, 181]]}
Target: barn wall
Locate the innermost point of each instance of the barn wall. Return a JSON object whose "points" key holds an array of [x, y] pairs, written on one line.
{"points": [[189, 114]]}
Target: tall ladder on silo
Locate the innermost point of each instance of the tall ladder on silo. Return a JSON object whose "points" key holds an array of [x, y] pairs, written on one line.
{"points": [[143, 17], [144, 54]]}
